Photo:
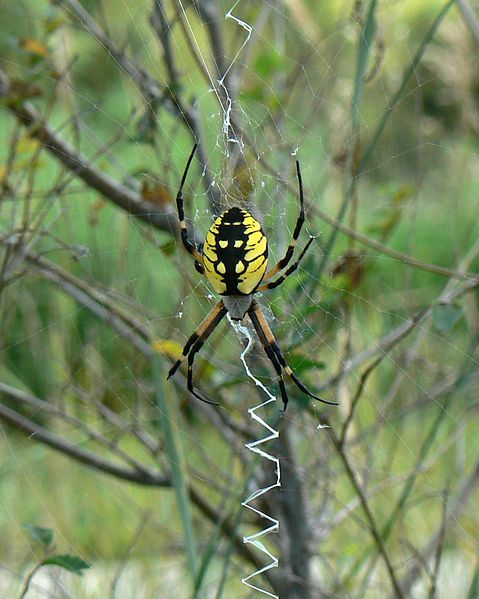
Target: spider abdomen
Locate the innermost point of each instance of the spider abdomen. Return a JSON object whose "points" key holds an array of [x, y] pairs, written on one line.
{"points": [[235, 253]]}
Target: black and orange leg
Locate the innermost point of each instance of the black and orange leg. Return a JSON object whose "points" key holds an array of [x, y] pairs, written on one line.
{"points": [[181, 215], [272, 357], [195, 343], [287, 272], [191, 358], [272, 349], [297, 230]]}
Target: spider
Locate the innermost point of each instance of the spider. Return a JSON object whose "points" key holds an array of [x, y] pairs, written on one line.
{"points": [[234, 260]]}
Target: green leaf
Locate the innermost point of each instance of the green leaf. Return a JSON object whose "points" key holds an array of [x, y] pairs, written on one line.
{"points": [[37, 533], [446, 316], [72, 563]]}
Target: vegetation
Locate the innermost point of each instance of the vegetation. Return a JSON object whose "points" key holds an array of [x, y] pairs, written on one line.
{"points": [[109, 471]]}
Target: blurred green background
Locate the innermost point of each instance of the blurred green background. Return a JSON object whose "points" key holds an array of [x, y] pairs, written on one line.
{"points": [[294, 82]]}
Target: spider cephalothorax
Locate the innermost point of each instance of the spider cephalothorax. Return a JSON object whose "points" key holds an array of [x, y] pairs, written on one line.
{"points": [[234, 260]]}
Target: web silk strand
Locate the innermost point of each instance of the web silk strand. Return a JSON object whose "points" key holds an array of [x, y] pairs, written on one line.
{"points": [[255, 447], [256, 540], [229, 103]]}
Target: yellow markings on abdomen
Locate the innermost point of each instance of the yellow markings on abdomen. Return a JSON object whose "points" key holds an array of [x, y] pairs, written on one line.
{"points": [[213, 277], [235, 253], [254, 238], [251, 279], [209, 253], [250, 223], [257, 249], [255, 265]]}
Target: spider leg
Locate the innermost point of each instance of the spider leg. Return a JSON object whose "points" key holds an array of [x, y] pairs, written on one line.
{"points": [[272, 349], [272, 356], [297, 230], [181, 213], [191, 358], [287, 272], [195, 343]]}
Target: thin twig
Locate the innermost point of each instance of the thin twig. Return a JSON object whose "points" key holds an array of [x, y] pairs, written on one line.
{"points": [[28, 581], [457, 505], [188, 114], [122, 563], [439, 548], [359, 391], [145, 476], [373, 528], [50, 408], [469, 17], [149, 88], [165, 219], [392, 338]]}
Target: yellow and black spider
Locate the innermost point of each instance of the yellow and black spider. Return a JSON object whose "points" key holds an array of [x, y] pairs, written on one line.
{"points": [[234, 260]]}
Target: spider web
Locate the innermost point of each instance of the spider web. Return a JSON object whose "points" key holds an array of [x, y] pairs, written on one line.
{"points": [[288, 80]]}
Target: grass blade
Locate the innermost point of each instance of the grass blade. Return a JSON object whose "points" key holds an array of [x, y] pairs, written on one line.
{"points": [[366, 42], [363, 57], [169, 424]]}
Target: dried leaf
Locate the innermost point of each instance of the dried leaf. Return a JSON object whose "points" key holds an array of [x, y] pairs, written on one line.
{"points": [[242, 183], [351, 264], [167, 347], [156, 193], [34, 46]]}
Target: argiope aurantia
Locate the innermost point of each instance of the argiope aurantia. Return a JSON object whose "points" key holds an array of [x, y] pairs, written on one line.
{"points": [[234, 260]]}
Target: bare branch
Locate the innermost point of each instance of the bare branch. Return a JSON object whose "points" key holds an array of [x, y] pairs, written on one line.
{"points": [[373, 528], [388, 341], [143, 476], [469, 17], [292, 499], [163, 219], [456, 506], [52, 409], [187, 114], [146, 84], [42, 435]]}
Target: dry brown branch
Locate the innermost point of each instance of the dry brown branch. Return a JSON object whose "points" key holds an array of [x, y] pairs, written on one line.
{"points": [[143, 476], [164, 219]]}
